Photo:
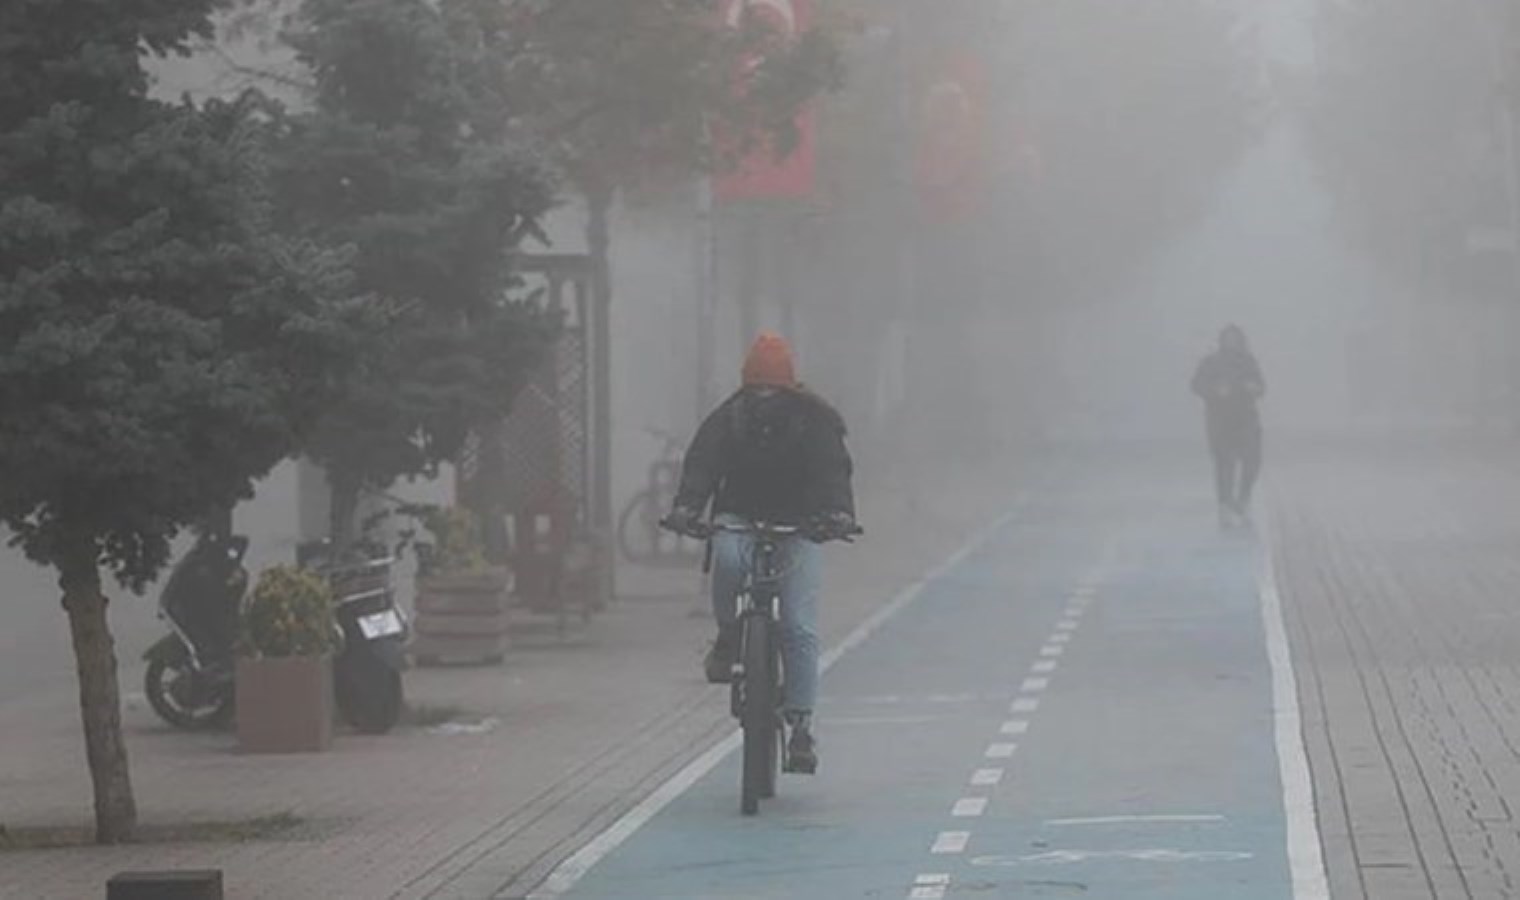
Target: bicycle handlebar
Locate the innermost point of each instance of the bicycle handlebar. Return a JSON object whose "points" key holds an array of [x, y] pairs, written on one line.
{"points": [[704, 530]]}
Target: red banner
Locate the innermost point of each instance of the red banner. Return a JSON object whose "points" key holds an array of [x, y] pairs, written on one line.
{"points": [[952, 153], [762, 175]]}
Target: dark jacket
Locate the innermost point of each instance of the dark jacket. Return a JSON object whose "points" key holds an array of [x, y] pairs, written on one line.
{"points": [[776, 456], [1230, 383]]}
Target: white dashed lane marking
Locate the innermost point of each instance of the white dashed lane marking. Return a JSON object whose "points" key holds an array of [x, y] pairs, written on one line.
{"points": [[969, 807], [936, 887], [929, 887]]}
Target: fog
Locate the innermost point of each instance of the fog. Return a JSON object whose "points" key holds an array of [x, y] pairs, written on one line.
{"points": [[1143, 180], [1336, 178]]}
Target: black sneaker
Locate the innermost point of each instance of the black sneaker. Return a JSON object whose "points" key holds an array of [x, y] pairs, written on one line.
{"points": [[802, 751], [721, 656]]}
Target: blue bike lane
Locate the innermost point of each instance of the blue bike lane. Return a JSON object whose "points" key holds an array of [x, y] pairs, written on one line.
{"points": [[1080, 706]]}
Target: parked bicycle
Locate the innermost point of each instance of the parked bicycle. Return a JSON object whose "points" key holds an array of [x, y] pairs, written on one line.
{"points": [[757, 686], [640, 537]]}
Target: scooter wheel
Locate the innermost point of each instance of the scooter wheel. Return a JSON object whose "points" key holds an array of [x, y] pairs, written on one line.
{"points": [[158, 683], [369, 696]]}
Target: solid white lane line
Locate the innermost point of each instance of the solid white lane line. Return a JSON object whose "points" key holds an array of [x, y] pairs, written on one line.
{"points": [[987, 777], [1044, 667], [1001, 751], [1305, 857], [1025, 705], [1015, 727], [574, 868], [951, 842], [1034, 685], [969, 807]]}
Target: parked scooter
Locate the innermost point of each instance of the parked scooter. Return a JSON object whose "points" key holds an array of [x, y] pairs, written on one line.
{"points": [[189, 681], [189, 678], [372, 655]]}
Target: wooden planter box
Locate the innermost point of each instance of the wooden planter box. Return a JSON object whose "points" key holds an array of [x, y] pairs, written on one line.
{"points": [[461, 619], [285, 705]]}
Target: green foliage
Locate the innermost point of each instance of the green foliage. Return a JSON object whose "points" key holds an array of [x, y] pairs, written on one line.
{"points": [[161, 346], [289, 614], [403, 159], [456, 546]]}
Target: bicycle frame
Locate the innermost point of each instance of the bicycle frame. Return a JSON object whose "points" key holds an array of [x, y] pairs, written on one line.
{"points": [[757, 684], [760, 598], [758, 608]]}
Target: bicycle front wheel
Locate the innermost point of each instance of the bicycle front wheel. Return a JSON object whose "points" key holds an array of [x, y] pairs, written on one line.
{"points": [[757, 716]]}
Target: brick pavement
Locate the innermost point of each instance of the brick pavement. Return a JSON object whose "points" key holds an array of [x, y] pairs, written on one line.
{"points": [[585, 729], [1401, 576]]}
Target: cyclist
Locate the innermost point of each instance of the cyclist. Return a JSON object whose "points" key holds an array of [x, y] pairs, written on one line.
{"points": [[773, 452], [1230, 383]]}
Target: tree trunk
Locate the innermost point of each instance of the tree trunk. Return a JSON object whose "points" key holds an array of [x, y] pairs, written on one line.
{"points": [[99, 695], [487, 497], [343, 509]]}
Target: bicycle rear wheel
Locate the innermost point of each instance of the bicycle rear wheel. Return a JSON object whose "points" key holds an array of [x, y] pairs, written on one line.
{"points": [[758, 716]]}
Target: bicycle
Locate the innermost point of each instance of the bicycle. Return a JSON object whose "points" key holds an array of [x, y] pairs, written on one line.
{"points": [[639, 535], [757, 686]]}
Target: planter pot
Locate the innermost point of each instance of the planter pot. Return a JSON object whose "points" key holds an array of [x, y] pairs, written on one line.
{"points": [[461, 619], [285, 705]]}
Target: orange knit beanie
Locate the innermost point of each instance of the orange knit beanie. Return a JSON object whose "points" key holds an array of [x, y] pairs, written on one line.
{"points": [[770, 363]]}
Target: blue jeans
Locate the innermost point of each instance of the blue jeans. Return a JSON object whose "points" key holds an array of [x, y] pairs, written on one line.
{"points": [[799, 563]]}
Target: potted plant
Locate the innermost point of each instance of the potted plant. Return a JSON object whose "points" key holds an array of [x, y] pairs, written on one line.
{"points": [[284, 675], [461, 597]]}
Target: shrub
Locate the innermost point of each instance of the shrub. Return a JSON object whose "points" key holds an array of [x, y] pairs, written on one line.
{"points": [[289, 614]]}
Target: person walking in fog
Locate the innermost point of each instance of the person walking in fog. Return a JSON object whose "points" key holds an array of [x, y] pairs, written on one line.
{"points": [[1229, 381]]}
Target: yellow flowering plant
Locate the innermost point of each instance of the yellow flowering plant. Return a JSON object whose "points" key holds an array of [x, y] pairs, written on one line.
{"points": [[289, 614], [455, 546]]}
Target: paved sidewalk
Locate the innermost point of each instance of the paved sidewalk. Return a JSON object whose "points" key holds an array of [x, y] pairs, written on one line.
{"points": [[1401, 578], [578, 732]]}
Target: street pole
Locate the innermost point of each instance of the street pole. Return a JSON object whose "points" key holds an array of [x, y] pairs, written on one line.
{"points": [[1500, 45], [707, 313], [898, 354], [706, 293]]}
